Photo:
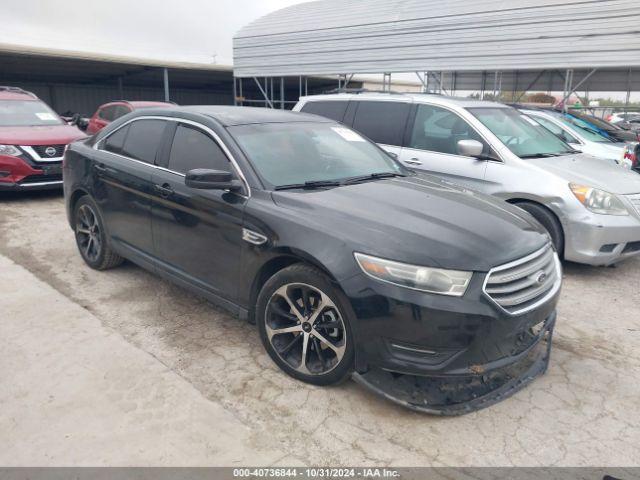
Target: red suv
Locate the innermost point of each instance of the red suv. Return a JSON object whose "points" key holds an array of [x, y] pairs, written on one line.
{"points": [[33, 139], [108, 112]]}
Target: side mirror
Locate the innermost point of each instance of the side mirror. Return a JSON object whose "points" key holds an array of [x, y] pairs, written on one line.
{"points": [[392, 155], [205, 179], [470, 148]]}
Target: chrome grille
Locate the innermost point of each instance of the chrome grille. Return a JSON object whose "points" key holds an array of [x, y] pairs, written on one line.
{"points": [[524, 284], [635, 201], [42, 150]]}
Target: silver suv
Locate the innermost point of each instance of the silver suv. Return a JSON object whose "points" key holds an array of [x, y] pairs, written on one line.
{"points": [[590, 208]]}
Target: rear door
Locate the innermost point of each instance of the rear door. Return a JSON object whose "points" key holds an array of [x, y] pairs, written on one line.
{"points": [[432, 146], [197, 233], [123, 187]]}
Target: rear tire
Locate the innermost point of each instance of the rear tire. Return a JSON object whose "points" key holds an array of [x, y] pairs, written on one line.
{"points": [[91, 237], [549, 221], [317, 346]]}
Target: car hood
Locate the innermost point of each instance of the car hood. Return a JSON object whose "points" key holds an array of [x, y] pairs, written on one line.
{"points": [[40, 135], [607, 151], [420, 220], [592, 172]]}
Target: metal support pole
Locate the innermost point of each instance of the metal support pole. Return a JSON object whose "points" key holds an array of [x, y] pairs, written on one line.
{"points": [[422, 81], [281, 93], [273, 97], [299, 87], [235, 93], [530, 86], [483, 85], [241, 94], [515, 85], [264, 92], [166, 85], [627, 100], [306, 86]]}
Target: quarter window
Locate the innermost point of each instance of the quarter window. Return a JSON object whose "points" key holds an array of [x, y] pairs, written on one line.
{"points": [[382, 122], [439, 130], [115, 141], [334, 110], [143, 140], [193, 148], [120, 111]]}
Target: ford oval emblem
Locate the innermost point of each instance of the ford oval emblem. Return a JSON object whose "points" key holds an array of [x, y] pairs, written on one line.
{"points": [[50, 151]]}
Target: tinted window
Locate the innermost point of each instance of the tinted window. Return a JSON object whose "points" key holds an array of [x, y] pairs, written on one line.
{"points": [[120, 111], [107, 113], [382, 122], [115, 141], [439, 130], [143, 140], [334, 110], [193, 148]]}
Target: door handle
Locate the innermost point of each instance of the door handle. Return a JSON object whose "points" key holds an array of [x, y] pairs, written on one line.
{"points": [[413, 161], [99, 168], [164, 190]]}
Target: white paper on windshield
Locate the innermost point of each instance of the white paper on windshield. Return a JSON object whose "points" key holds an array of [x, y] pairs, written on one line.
{"points": [[45, 116], [348, 135]]}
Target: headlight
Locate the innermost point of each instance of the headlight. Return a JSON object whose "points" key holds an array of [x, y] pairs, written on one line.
{"points": [[426, 279], [598, 201], [10, 150]]}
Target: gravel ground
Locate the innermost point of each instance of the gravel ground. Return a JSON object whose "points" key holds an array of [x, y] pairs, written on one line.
{"points": [[583, 412]]}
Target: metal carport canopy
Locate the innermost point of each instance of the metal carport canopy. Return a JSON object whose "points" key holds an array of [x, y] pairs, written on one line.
{"points": [[329, 37]]}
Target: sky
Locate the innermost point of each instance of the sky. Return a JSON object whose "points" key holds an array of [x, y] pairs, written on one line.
{"points": [[186, 30]]}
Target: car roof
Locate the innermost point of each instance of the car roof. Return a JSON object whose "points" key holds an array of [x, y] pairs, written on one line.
{"points": [[16, 93], [407, 97], [138, 104], [230, 115]]}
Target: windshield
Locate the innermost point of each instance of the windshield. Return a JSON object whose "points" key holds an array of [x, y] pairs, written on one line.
{"points": [[589, 132], [297, 153], [522, 135], [26, 113]]}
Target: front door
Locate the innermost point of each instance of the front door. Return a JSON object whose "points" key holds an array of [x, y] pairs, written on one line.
{"points": [[197, 233], [432, 146]]}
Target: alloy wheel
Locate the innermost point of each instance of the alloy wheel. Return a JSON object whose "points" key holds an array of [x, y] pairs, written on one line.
{"points": [[88, 233], [305, 329]]}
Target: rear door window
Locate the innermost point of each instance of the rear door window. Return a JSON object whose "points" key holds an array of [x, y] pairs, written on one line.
{"points": [[120, 111], [143, 140], [108, 113], [382, 122], [192, 148], [333, 109]]}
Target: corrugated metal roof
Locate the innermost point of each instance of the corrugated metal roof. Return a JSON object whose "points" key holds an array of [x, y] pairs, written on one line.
{"points": [[376, 36]]}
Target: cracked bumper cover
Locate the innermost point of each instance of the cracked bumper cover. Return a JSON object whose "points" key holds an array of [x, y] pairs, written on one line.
{"points": [[460, 394]]}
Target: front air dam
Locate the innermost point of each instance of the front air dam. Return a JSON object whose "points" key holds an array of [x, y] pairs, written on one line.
{"points": [[459, 394]]}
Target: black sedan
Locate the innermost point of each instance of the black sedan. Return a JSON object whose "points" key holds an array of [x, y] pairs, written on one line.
{"points": [[437, 297]]}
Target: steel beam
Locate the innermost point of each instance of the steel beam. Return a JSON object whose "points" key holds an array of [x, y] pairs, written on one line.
{"points": [[166, 84], [264, 93]]}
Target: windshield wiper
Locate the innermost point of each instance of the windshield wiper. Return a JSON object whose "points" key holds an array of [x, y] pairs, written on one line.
{"points": [[541, 155], [311, 185], [372, 176]]}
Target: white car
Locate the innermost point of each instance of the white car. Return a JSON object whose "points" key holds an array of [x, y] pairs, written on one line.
{"points": [[581, 136], [620, 117]]}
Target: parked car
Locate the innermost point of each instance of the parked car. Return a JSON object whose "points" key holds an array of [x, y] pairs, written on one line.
{"points": [[109, 112], [581, 136], [590, 208], [344, 258], [614, 132], [32, 141], [621, 117]]}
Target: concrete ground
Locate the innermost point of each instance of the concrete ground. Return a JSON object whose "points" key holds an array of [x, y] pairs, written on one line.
{"points": [[122, 368]]}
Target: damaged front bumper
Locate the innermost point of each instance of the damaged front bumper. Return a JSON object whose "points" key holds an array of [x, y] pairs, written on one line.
{"points": [[460, 394]]}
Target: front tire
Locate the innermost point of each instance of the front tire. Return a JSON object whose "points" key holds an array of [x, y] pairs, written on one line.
{"points": [[304, 326], [549, 221], [91, 237]]}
